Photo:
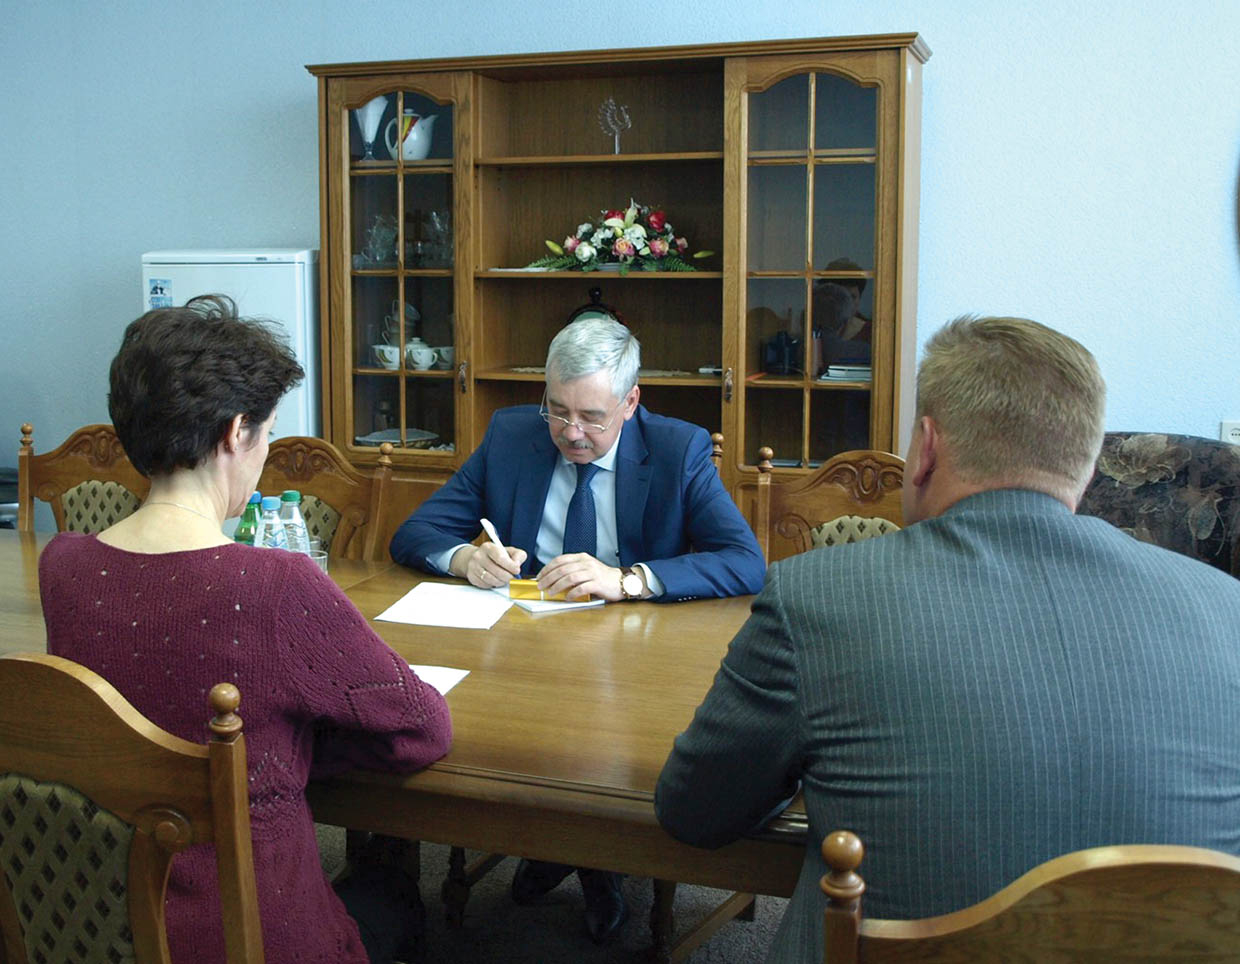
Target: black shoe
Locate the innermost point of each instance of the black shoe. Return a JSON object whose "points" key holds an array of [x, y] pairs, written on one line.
{"points": [[606, 908], [535, 878]]}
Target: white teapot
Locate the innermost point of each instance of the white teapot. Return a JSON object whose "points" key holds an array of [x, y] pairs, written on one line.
{"points": [[415, 135]]}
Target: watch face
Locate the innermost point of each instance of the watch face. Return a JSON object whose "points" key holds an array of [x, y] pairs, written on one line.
{"points": [[632, 584]]}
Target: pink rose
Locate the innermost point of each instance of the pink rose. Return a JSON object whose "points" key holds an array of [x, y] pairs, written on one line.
{"points": [[657, 220], [570, 244], [658, 247], [682, 245], [623, 248]]}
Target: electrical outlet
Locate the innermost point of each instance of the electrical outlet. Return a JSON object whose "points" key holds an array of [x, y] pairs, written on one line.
{"points": [[1230, 432]]}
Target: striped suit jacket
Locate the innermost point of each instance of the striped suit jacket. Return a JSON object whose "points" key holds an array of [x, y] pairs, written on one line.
{"points": [[972, 696]]}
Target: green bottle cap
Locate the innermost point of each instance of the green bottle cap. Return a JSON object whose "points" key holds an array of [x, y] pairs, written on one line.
{"points": [[290, 495]]}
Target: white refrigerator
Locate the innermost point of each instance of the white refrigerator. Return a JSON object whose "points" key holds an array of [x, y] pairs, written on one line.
{"points": [[275, 284]]}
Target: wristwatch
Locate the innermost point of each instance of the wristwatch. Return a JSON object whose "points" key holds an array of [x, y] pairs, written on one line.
{"points": [[632, 585]]}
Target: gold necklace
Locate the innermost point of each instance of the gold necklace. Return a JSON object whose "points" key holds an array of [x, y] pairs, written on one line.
{"points": [[178, 505]]}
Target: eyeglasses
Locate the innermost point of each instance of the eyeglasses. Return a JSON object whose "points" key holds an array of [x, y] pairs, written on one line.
{"points": [[589, 428]]}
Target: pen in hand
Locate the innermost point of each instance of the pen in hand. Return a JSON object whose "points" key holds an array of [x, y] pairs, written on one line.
{"points": [[493, 536], [490, 531]]}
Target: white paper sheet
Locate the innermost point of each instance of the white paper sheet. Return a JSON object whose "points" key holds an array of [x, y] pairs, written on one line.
{"points": [[443, 678], [548, 605], [441, 604]]}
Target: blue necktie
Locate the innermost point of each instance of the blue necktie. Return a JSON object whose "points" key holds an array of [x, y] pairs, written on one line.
{"points": [[580, 533]]}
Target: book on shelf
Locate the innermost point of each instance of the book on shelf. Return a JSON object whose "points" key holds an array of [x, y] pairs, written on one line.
{"points": [[847, 373]]}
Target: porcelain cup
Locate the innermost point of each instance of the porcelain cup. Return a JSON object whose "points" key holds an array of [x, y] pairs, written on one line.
{"points": [[446, 353], [386, 355]]}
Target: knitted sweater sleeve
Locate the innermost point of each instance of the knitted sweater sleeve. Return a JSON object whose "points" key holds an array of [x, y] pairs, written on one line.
{"points": [[368, 708]]}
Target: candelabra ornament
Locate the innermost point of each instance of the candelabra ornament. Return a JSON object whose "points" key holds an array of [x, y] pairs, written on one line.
{"points": [[613, 119], [368, 117]]}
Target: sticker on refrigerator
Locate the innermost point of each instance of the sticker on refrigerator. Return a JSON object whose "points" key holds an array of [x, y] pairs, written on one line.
{"points": [[159, 293]]}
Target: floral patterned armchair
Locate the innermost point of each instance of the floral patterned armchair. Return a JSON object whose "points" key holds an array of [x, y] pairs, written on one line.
{"points": [[1180, 492]]}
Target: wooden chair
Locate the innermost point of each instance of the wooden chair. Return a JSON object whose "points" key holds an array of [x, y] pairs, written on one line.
{"points": [[88, 480], [340, 504], [94, 802], [857, 493], [1133, 903]]}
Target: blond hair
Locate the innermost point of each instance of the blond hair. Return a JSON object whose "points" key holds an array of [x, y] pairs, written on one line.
{"points": [[1017, 403]]}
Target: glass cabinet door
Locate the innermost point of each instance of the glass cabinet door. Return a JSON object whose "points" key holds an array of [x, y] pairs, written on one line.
{"points": [[811, 210], [400, 307]]}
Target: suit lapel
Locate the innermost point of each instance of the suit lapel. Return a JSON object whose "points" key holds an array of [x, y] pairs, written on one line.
{"points": [[533, 480], [632, 487]]}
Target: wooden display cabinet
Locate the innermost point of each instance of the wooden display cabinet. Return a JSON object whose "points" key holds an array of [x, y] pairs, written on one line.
{"points": [[782, 157]]}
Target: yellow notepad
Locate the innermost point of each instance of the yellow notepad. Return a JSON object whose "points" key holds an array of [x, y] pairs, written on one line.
{"points": [[528, 589]]}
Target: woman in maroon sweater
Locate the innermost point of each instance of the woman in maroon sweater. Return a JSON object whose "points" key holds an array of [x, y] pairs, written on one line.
{"points": [[164, 606]]}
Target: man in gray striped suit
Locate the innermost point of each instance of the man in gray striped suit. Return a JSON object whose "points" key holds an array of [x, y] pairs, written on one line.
{"points": [[997, 684]]}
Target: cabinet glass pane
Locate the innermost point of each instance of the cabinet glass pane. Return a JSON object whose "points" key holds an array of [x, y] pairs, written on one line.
{"points": [[773, 418], [845, 114], [376, 409], [779, 116], [844, 213], [423, 134], [839, 422], [373, 232], [841, 320], [367, 125], [430, 316], [428, 220], [776, 215], [373, 331], [429, 422], [775, 326]]}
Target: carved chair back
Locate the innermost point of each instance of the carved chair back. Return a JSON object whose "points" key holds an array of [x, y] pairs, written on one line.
{"points": [[95, 800], [341, 505], [1141, 902], [88, 480], [853, 496]]}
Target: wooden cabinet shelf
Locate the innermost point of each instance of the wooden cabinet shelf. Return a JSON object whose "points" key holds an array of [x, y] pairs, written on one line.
{"points": [[587, 160], [795, 162], [595, 277]]}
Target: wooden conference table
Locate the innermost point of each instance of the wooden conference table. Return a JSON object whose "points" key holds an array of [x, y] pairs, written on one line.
{"points": [[561, 729]]}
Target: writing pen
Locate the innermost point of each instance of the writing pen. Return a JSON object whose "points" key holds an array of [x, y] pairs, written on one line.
{"points": [[490, 531]]}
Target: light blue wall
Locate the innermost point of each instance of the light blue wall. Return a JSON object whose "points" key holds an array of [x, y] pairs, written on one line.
{"points": [[1080, 163]]}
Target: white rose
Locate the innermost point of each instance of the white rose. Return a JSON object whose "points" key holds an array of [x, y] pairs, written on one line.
{"points": [[601, 237], [585, 251], [584, 228]]}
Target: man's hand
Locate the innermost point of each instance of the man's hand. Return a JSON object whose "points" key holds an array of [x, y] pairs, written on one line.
{"points": [[579, 574], [488, 565]]}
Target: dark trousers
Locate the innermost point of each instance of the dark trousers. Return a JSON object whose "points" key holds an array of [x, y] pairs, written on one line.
{"points": [[385, 903]]}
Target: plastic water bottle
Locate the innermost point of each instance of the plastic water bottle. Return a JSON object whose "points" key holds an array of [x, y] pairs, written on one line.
{"points": [[294, 523], [270, 533], [249, 521]]}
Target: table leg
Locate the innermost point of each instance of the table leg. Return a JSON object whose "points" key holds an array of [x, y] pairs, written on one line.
{"points": [[662, 920], [461, 877]]}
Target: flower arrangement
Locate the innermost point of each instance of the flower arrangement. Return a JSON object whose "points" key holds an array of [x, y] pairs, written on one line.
{"points": [[638, 236]]}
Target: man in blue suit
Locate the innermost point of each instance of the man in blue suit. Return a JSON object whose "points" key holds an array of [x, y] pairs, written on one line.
{"points": [[997, 684], [590, 494]]}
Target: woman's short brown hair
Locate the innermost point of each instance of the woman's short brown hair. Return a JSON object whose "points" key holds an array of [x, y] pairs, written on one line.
{"points": [[183, 374]]}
